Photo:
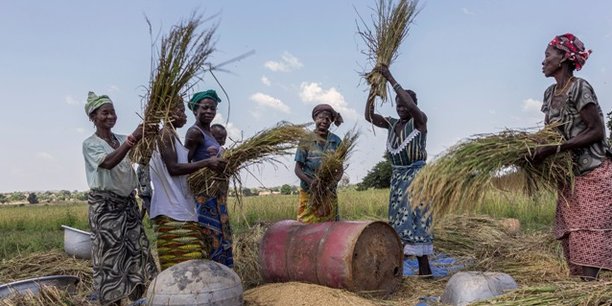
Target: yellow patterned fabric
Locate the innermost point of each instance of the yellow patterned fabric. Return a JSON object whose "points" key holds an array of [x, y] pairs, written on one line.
{"points": [[307, 215], [177, 241]]}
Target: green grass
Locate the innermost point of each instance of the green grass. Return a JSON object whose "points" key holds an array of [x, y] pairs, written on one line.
{"points": [[36, 228]]}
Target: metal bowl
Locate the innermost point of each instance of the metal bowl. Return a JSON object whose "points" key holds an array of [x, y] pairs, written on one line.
{"points": [[77, 242], [33, 285]]}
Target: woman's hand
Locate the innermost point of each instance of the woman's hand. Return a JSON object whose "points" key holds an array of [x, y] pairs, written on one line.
{"points": [[384, 70], [216, 164], [541, 153], [137, 133]]}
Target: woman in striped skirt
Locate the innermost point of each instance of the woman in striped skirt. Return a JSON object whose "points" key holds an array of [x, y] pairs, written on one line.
{"points": [[179, 237], [122, 262]]}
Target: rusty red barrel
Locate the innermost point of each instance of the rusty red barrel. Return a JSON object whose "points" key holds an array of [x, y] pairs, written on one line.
{"points": [[354, 255]]}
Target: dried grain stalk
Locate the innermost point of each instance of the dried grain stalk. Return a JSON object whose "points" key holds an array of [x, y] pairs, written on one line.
{"points": [[557, 293], [459, 179], [390, 27], [333, 164], [182, 55], [260, 148]]}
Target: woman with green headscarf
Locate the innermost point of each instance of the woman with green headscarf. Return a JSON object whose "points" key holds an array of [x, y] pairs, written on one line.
{"points": [[122, 262], [211, 208]]}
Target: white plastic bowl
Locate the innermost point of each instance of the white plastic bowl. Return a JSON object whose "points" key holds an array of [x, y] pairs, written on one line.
{"points": [[77, 242]]}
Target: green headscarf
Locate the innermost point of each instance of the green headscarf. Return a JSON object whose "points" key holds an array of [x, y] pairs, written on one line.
{"points": [[93, 102], [197, 97]]}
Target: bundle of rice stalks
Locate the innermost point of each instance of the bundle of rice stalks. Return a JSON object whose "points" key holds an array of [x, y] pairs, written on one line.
{"points": [[460, 178], [246, 255], [557, 293], [333, 164], [391, 24], [260, 148], [183, 54]]}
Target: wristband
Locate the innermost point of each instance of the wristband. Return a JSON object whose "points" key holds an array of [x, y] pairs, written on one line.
{"points": [[397, 87]]}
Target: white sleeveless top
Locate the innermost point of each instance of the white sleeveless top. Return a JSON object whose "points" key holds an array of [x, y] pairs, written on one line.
{"points": [[171, 195]]}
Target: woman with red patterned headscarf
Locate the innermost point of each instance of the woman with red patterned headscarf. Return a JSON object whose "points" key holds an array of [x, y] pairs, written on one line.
{"points": [[583, 221]]}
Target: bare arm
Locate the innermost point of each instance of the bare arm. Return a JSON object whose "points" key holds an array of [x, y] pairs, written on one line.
{"points": [[168, 152], [593, 132], [193, 139], [420, 120], [372, 117], [301, 175], [113, 159]]}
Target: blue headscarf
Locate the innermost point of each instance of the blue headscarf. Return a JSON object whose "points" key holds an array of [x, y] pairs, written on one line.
{"points": [[199, 96]]}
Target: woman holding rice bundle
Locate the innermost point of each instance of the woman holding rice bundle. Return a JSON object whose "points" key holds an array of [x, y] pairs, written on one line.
{"points": [[308, 160], [211, 208], [406, 148], [179, 236], [122, 262], [583, 221]]}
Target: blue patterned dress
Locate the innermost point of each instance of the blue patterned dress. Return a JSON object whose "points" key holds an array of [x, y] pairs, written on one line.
{"points": [[213, 214], [407, 154]]}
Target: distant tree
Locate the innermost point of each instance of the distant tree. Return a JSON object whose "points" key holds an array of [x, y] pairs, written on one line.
{"points": [[378, 177], [247, 192], [285, 189], [32, 198], [81, 196], [3, 198], [344, 181], [294, 190], [16, 197]]}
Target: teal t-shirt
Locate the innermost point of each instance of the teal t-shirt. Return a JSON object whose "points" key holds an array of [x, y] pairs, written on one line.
{"points": [[309, 155]]}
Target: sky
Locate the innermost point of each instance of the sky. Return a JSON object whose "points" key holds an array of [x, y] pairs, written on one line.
{"points": [[475, 65]]}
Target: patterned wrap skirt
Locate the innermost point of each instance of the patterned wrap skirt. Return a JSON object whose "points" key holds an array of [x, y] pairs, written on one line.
{"points": [[215, 225], [178, 241], [306, 213], [412, 225], [122, 261], [583, 221]]}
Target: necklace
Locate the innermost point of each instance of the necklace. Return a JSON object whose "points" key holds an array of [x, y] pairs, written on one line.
{"points": [[567, 83], [112, 141]]}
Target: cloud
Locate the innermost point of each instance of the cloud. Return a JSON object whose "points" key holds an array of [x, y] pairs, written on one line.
{"points": [[531, 105], [233, 132], [44, 156], [312, 93], [287, 63], [113, 88], [271, 102], [80, 130], [70, 100], [265, 81], [467, 12]]}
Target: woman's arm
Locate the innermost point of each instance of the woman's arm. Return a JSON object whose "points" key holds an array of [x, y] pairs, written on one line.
{"points": [[593, 132], [168, 153], [114, 158], [420, 120], [193, 139], [372, 117], [301, 175]]}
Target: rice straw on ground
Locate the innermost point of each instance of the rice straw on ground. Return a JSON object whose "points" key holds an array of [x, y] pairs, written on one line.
{"points": [[557, 293]]}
